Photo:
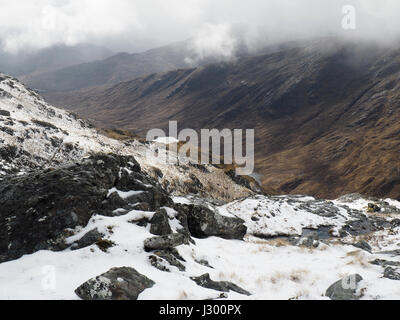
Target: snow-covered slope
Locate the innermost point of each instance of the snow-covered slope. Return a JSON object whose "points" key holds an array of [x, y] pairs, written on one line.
{"points": [[34, 135], [68, 215]]}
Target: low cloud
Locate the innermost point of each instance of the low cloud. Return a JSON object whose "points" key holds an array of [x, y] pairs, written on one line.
{"points": [[215, 27]]}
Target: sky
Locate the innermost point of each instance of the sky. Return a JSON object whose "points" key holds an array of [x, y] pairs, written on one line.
{"points": [[214, 26]]}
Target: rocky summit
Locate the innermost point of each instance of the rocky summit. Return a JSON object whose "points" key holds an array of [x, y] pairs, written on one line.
{"points": [[86, 216]]}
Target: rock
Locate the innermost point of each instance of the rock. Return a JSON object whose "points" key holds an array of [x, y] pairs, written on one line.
{"points": [[373, 208], [117, 284], [160, 223], [344, 289], [224, 286], [165, 242], [88, 239], [203, 223], [172, 257], [204, 263], [309, 240], [391, 274], [161, 258], [363, 245], [5, 113], [385, 263]]}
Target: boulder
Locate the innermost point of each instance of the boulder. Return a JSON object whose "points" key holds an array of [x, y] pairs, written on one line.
{"points": [[345, 289], [160, 223], [391, 274], [204, 223], [165, 242], [116, 284], [224, 286], [88, 239], [363, 245], [5, 113]]}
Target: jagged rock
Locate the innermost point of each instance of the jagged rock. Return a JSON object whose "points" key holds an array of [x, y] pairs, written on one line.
{"points": [[88, 239], [224, 286], [160, 223], [203, 223], [165, 242], [363, 245], [391, 274], [344, 289], [116, 284]]}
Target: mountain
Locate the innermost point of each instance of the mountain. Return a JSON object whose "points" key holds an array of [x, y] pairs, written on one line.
{"points": [[30, 64], [324, 112], [87, 216], [117, 68]]}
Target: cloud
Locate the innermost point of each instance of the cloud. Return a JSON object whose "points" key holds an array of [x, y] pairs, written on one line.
{"points": [[215, 26]]}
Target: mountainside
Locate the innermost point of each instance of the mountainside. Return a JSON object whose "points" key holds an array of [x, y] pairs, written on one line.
{"points": [[120, 67], [324, 113], [85, 216], [31, 64]]}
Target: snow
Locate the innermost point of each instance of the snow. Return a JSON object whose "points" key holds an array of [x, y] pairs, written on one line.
{"points": [[269, 269], [123, 194]]}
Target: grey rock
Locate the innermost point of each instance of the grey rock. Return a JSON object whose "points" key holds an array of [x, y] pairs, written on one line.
{"points": [[385, 263], [165, 242], [363, 245], [160, 258], [116, 284], [5, 113], [344, 289], [391, 274], [224, 286], [160, 223], [203, 223], [88, 239]]}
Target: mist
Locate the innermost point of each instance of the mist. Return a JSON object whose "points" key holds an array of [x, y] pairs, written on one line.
{"points": [[213, 27]]}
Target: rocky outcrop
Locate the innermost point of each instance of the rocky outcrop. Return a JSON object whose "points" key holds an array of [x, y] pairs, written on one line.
{"points": [[345, 289], [38, 209], [116, 284]]}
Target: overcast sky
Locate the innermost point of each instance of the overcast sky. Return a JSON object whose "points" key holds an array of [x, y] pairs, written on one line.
{"points": [[137, 25]]}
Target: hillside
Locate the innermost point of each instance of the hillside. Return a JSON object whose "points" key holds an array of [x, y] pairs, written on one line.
{"points": [[324, 113]]}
